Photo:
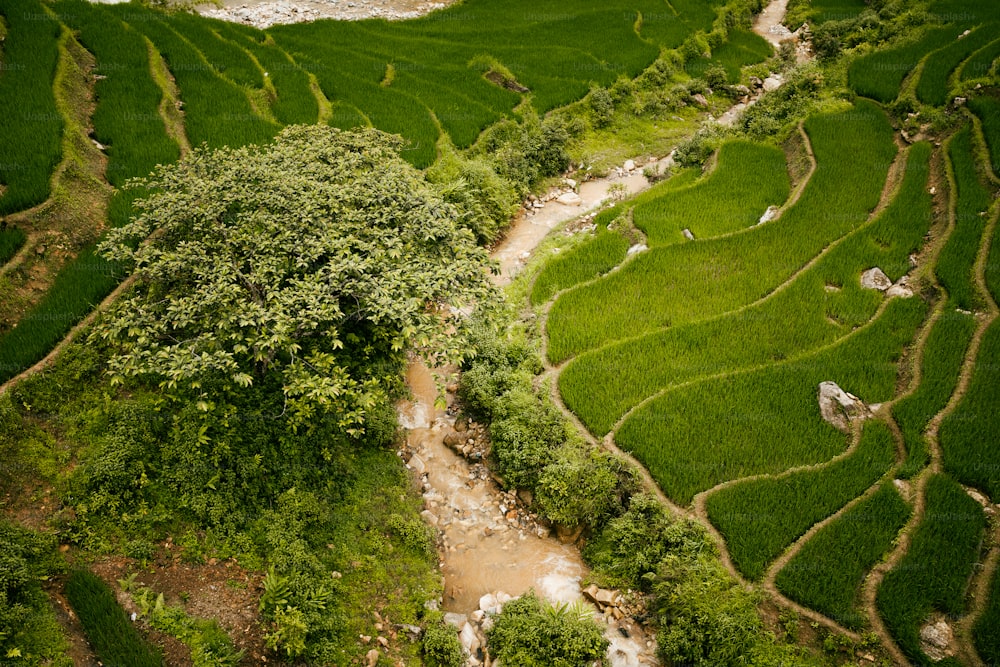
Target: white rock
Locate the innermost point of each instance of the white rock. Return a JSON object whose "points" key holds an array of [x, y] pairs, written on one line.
{"points": [[570, 183], [488, 603], [840, 408], [629, 165], [636, 249], [456, 620], [936, 639], [469, 639], [569, 199], [770, 214], [772, 82], [417, 465], [875, 278], [688, 234], [901, 289]]}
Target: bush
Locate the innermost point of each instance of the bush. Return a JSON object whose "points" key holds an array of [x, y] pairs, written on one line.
{"points": [[580, 485], [441, 646], [602, 106], [530, 634]]}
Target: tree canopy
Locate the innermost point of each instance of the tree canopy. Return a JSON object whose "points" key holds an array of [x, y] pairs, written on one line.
{"points": [[315, 259]]}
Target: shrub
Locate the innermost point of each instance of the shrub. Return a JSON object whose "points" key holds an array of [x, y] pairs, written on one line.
{"points": [[442, 647], [528, 633], [580, 485]]}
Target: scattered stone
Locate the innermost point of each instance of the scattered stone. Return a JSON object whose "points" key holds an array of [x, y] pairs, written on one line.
{"points": [[417, 464], [429, 517], [840, 408], [700, 100], [901, 289], [772, 82], [570, 183], [489, 604], [469, 638], [875, 278], [978, 497], [371, 658], [936, 639], [770, 214], [454, 440], [636, 249], [569, 199], [688, 234], [629, 165], [455, 619], [959, 101], [525, 496], [902, 486], [461, 425]]}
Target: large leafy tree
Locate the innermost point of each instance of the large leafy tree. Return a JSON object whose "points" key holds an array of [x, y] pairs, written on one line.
{"points": [[313, 260]]}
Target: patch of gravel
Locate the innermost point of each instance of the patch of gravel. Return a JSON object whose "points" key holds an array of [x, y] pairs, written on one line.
{"points": [[266, 13]]}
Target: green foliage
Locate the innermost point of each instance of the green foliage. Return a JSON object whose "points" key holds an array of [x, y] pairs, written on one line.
{"points": [[982, 62], [31, 134], [113, 637], [775, 113], [343, 261], [602, 107], [473, 185], [955, 266], [441, 646], [760, 518], [827, 573], [579, 485], [741, 48], [27, 558], [209, 644], [530, 634], [943, 356], [630, 547], [934, 573]]}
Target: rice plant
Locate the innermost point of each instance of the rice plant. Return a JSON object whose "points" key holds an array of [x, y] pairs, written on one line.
{"points": [[942, 360], [127, 118], [984, 634], [592, 258], [827, 573], [226, 57], [216, 111], [836, 10], [78, 287], [11, 240], [954, 268], [741, 48], [879, 75], [934, 573], [31, 130], [987, 107], [113, 637], [969, 435], [760, 518], [981, 63], [697, 280], [698, 435], [933, 85]]}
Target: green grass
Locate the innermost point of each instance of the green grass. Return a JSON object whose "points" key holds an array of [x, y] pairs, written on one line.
{"points": [[592, 258], [879, 75], [836, 10], [970, 434], [987, 107], [979, 65], [984, 634], [955, 266], [741, 48], [77, 288], [696, 436], [760, 518], [31, 131], [942, 361], [227, 58], [934, 573], [109, 631], [11, 240], [748, 179], [127, 119], [827, 573], [216, 111], [933, 85], [601, 385], [295, 102], [687, 282]]}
